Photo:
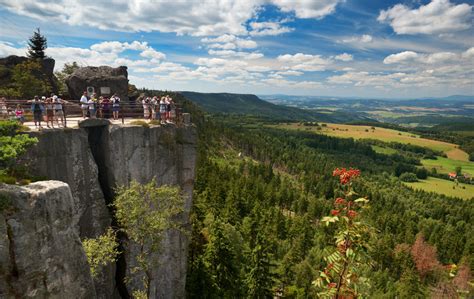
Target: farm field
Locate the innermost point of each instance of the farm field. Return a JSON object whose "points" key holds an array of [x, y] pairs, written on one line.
{"points": [[444, 187], [446, 165], [383, 134]]}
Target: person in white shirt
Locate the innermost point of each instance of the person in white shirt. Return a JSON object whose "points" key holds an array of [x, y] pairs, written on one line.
{"points": [[115, 106], [92, 103], [84, 104], [146, 106], [58, 110]]}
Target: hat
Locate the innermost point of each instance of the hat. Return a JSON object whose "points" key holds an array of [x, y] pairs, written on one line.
{"points": [[43, 98], [55, 98]]}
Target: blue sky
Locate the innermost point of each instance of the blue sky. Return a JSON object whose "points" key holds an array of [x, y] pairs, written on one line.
{"points": [[303, 47]]}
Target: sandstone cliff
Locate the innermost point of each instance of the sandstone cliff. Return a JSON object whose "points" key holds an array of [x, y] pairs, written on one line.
{"points": [[97, 157], [40, 251]]}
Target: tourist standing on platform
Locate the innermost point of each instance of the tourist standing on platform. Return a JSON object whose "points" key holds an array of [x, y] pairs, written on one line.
{"points": [[146, 107], [92, 106], [84, 104], [115, 106], [3, 108], [20, 114], [37, 108], [99, 107], [153, 105], [58, 110], [49, 112], [172, 110], [163, 110], [105, 107]]}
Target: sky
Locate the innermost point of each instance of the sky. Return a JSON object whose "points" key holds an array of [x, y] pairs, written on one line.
{"points": [[362, 48]]}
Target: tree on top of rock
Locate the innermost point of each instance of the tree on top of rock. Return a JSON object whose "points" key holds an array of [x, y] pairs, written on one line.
{"points": [[36, 45]]}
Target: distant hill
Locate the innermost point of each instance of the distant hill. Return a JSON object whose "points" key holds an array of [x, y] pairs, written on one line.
{"points": [[250, 104]]}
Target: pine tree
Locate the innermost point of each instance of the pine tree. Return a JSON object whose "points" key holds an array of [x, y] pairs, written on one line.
{"points": [[36, 45]]}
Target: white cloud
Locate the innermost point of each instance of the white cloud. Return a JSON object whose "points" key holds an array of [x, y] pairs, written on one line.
{"points": [[365, 38], [198, 18], [434, 58], [268, 28], [469, 53], [399, 57], [308, 8], [153, 54], [344, 57], [304, 62], [229, 42], [231, 53], [438, 16]]}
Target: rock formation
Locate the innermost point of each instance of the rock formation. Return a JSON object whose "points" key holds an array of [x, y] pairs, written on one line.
{"points": [[97, 157], [8, 63], [40, 251], [105, 80]]}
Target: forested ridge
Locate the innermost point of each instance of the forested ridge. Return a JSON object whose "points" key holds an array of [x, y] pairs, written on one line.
{"points": [[259, 197]]}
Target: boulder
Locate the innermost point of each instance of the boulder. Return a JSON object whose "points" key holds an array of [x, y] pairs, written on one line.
{"points": [[41, 254], [105, 80]]}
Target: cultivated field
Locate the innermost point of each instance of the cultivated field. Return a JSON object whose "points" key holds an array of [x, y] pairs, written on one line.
{"points": [[446, 165], [386, 135], [444, 187]]}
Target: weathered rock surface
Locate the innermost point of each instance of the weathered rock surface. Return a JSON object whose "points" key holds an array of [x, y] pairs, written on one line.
{"points": [[167, 154], [65, 155], [97, 157], [103, 76], [41, 255]]}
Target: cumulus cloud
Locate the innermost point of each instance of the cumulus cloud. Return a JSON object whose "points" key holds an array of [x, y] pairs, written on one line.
{"points": [[304, 62], [438, 16], [229, 42], [344, 57], [433, 58], [268, 28], [198, 18], [307, 8]]}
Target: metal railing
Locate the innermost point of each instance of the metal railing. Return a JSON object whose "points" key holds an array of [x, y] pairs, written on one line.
{"points": [[72, 109]]}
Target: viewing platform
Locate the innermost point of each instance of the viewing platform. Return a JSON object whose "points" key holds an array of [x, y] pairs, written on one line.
{"points": [[131, 113]]}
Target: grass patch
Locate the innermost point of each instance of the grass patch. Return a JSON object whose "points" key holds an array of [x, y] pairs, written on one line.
{"points": [[384, 150], [446, 165], [445, 187]]}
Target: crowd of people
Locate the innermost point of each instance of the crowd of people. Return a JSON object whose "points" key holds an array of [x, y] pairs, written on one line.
{"points": [[49, 110], [102, 107], [161, 109], [52, 109]]}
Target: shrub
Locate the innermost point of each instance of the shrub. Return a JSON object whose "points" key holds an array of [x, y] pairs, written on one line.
{"points": [[100, 251], [409, 177], [421, 173], [13, 145]]}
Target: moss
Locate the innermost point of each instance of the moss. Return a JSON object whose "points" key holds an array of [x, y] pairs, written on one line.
{"points": [[5, 202], [155, 122], [7, 179], [140, 123]]}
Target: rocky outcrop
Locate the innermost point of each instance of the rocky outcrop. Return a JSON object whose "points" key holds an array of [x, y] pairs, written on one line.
{"points": [[41, 255], [168, 155], [97, 157], [102, 79], [65, 155], [8, 63]]}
